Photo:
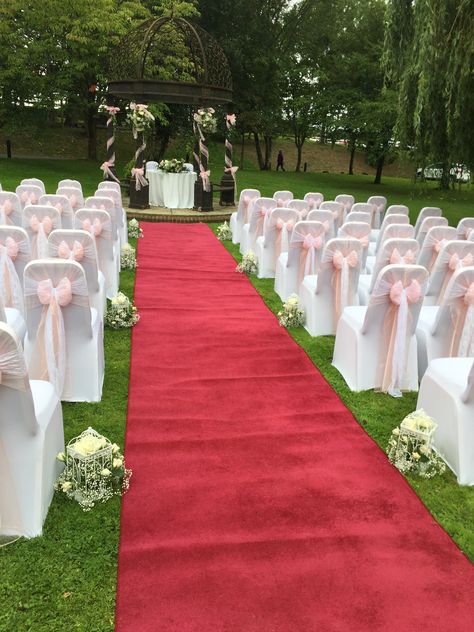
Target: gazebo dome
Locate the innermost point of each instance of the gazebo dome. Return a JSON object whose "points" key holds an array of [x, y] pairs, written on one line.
{"points": [[171, 60]]}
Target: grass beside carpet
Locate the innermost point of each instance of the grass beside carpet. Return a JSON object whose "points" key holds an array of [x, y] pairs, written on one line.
{"points": [[450, 504]]}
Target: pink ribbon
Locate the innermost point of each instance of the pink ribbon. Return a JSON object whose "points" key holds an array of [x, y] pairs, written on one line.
{"points": [[94, 228], [311, 243], [281, 224], [5, 209], [338, 259], [231, 170], [281, 202], [231, 118], [469, 296], [106, 168], [396, 257], [140, 180], [46, 223], [412, 292], [73, 200], [11, 248], [111, 109], [29, 198], [76, 252], [456, 262], [62, 292], [439, 245]]}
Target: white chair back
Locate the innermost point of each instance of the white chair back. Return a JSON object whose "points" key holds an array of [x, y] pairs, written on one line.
{"points": [[152, 165], [465, 228], [77, 245], [74, 195], [29, 194], [189, 167], [246, 197], [314, 199], [14, 255], [68, 183], [468, 395], [359, 231], [104, 203], [306, 247], [39, 221], [109, 184], [117, 199], [63, 205], [379, 204], [347, 202], [301, 206], [260, 211], [394, 251], [358, 216], [426, 211], [435, 239], [326, 217], [337, 211], [278, 229], [428, 223], [35, 182], [388, 220], [398, 209], [454, 255], [396, 231], [282, 198], [365, 207], [10, 209]]}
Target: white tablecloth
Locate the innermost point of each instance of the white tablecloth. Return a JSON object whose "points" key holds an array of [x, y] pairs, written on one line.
{"points": [[172, 190]]}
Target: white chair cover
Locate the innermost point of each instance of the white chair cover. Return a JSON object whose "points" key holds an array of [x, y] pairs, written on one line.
{"points": [[28, 194], [35, 182], [14, 255], [260, 210], [337, 211], [366, 207], [241, 217], [151, 165], [394, 251], [104, 203], [306, 248], [326, 217], [68, 183], [109, 184], [435, 239], [397, 209], [388, 220], [454, 255], [358, 216], [379, 204], [189, 167], [301, 206], [347, 202], [282, 198], [427, 211], [314, 199], [359, 231], [465, 228], [74, 195], [275, 240], [428, 223], [61, 202], [119, 214], [39, 221], [10, 209]]}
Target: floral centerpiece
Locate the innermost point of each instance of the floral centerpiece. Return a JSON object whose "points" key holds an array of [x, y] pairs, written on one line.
{"points": [[292, 315], [248, 265], [409, 447], [223, 232], [94, 470], [206, 120], [128, 259], [134, 230], [140, 118], [174, 165], [121, 312]]}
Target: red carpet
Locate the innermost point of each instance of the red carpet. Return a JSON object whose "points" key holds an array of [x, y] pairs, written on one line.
{"points": [[258, 504]]}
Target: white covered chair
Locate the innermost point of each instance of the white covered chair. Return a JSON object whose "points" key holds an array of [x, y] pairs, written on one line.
{"points": [[105, 203], [189, 167], [109, 184], [325, 296], [14, 255], [433, 243], [401, 251], [447, 330], [447, 395], [63, 205], [28, 194], [379, 204], [427, 223], [454, 255], [303, 257], [301, 206], [426, 211], [376, 345], [120, 215], [314, 199], [260, 210], [358, 216], [365, 207], [241, 215], [392, 231], [326, 217], [360, 231], [31, 435], [74, 195], [151, 165], [39, 221], [10, 209], [14, 319], [35, 182], [465, 228], [347, 202], [97, 223], [79, 245], [64, 342], [282, 198], [337, 211], [397, 209], [377, 235], [275, 240], [67, 182]]}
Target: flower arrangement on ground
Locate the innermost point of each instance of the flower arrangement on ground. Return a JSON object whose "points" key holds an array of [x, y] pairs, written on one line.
{"points": [[121, 313], [248, 265], [174, 165], [223, 232], [140, 118], [134, 229], [128, 258], [409, 447], [94, 470], [206, 120], [292, 315]]}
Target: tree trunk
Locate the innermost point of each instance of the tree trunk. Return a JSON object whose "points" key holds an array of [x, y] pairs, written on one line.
{"points": [[351, 161], [258, 149], [444, 182], [91, 133], [299, 153], [322, 138], [163, 142], [242, 149], [378, 173], [268, 152]]}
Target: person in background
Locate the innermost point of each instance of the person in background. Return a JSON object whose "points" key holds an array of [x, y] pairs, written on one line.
{"points": [[280, 161]]}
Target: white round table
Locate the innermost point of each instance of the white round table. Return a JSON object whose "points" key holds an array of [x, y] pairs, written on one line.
{"points": [[171, 190]]}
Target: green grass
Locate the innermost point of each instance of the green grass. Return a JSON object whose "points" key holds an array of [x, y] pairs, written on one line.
{"points": [[66, 580]]}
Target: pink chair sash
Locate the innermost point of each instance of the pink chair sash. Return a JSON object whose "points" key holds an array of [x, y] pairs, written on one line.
{"points": [[94, 228], [462, 341], [408, 258], [310, 245], [6, 210], [28, 198], [264, 214], [76, 253], [456, 262], [10, 286], [246, 200], [73, 200], [283, 236], [341, 282], [42, 227]]}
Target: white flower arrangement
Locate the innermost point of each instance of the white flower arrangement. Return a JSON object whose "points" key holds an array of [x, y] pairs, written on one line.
{"points": [[134, 229], [121, 313], [409, 447], [139, 118], [248, 265], [128, 258], [94, 470], [206, 120], [174, 165], [223, 232], [292, 315]]}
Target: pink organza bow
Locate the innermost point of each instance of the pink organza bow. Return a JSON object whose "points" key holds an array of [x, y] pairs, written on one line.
{"points": [[76, 252], [412, 292], [456, 262], [312, 241], [232, 170], [7, 207], [62, 292], [338, 259], [29, 198], [46, 223], [231, 118], [94, 227], [469, 296], [111, 109], [282, 224], [73, 200], [11, 248], [281, 202], [439, 244], [396, 257], [246, 200]]}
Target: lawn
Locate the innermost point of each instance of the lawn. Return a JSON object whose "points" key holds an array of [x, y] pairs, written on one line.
{"points": [[66, 579]]}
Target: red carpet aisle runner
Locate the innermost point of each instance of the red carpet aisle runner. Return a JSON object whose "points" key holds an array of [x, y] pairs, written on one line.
{"points": [[257, 503]]}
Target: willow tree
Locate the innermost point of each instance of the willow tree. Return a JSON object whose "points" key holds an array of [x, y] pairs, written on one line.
{"points": [[429, 54]]}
